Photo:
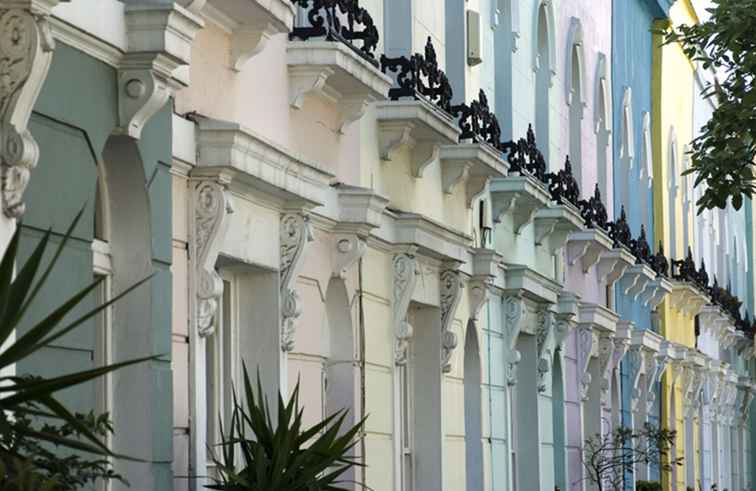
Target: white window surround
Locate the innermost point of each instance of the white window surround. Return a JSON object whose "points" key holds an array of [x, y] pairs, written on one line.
{"points": [[627, 147], [547, 7], [334, 72], [102, 266]]}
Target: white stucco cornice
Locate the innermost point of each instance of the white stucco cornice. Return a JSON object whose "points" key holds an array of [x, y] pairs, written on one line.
{"points": [[587, 247], [256, 164], [686, 298], [597, 317], [636, 280], [472, 165], [251, 24], [415, 125], [554, 224], [334, 72], [613, 264], [655, 292], [518, 197], [359, 209], [432, 239], [530, 284]]}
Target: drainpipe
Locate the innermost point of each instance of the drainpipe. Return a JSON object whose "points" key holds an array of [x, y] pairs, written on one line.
{"points": [[362, 370]]}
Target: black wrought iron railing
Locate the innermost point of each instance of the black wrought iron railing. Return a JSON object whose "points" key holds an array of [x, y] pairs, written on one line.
{"points": [[659, 262], [685, 270], [419, 76], [640, 248], [593, 211], [477, 122], [524, 156], [619, 231], [339, 20], [563, 186]]}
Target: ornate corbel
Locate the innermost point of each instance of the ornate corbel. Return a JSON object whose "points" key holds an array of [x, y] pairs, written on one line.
{"points": [[26, 50], [159, 39], [562, 326], [451, 294], [655, 364], [545, 347], [295, 234], [480, 293], [211, 206], [348, 249], [585, 341], [515, 316], [405, 276], [634, 360], [606, 349]]}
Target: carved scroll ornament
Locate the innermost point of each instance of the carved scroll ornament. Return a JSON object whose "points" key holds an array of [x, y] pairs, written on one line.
{"points": [[545, 346], [585, 349], [515, 316], [26, 49], [212, 204], [405, 276], [295, 234], [451, 294]]}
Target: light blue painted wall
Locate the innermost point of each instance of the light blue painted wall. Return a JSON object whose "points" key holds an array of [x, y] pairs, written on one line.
{"points": [[631, 67]]}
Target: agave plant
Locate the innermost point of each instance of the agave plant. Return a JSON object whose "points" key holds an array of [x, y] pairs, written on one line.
{"points": [[32, 420], [285, 456]]}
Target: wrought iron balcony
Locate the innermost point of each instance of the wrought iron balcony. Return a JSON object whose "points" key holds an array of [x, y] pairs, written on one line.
{"points": [[563, 186], [685, 270], [419, 77], [525, 157], [341, 21], [640, 248], [477, 122], [594, 211], [619, 231], [659, 262]]}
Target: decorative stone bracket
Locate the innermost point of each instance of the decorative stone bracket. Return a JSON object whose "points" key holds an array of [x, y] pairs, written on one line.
{"points": [[554, 224], [337, 74], [26, 50], [612, 265], [655, 292], [655, 367], [636, 281], [480, 294], [295, 234], [211, 207], [585, 340], [515, 316], [587, 247], [405, 276], [611, 349], [687, 298], [469, 164], [520, 197], [451, 294], [159, 39], [545, 343], [635, 360], [347, 250], [417, 127]]}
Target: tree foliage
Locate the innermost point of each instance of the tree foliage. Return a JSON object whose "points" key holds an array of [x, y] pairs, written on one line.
{"points": [[607, 458], [722, 156], [283, 456]]}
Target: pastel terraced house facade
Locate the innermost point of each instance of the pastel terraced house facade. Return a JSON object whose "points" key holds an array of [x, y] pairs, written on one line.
{"points": [[465, 220]]}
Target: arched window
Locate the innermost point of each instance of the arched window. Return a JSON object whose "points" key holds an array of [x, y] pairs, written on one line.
{"points": [[544, 71], [473, 414], [646, 172], [575, 98], [627, 149], [672, 187], [603, 120]]}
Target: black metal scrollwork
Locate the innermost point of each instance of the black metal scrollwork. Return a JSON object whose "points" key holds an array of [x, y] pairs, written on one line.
{"points": [[419, 75], [685, 269], [702, 277], [640, 248], [563, 186], [594, 211], [659, 262], [619, 231], [339, 20], [477, 122], [525, 157]]}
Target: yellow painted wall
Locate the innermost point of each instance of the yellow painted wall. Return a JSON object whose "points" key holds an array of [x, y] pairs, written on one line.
{"points": [[672, 108]]}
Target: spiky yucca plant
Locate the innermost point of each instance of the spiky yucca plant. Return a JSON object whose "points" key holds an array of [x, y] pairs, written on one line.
{"points": [[284, 457], [36, 429]]}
